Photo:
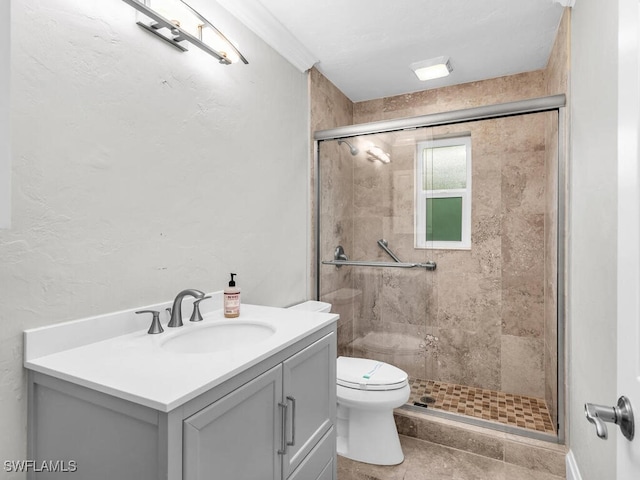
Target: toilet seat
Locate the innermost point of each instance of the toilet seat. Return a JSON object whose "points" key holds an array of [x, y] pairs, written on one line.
{"points": [[366, 374]]}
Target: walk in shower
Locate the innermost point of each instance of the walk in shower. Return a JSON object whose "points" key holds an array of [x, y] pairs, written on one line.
{"points": [[437, 242]]}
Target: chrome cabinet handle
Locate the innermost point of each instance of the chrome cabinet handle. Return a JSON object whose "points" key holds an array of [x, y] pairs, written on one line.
{"points": [[283, 441], [621, 415], [293, 421]]}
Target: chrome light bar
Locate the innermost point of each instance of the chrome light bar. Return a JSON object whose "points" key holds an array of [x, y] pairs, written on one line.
{"points": [[171, 32]]}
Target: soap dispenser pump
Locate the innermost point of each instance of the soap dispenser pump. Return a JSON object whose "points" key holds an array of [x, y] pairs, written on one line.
{"points": [[232, 299]]}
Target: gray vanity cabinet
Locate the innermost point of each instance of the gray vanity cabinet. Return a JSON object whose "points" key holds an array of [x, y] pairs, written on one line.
{"points": [[309, 391], [266, 429], [272, 421], [239, 435]]}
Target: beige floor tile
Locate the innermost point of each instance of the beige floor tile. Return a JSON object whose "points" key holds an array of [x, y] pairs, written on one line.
{"points": [[430, 461]]}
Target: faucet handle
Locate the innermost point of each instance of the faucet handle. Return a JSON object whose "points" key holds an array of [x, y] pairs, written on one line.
{"points": [[196, 316], [155, 327]]}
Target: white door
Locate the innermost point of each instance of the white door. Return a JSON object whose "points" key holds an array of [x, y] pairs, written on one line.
{"points": [[628, 452]]}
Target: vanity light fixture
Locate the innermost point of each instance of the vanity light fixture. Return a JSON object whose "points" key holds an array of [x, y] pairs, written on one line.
{"points": [[432, 68], [376, 153], [179, 24]]}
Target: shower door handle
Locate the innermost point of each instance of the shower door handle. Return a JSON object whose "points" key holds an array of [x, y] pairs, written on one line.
{"points": [[621, 415]]}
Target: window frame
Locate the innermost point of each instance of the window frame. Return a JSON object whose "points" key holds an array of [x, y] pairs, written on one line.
{"points": [[421, 196]]}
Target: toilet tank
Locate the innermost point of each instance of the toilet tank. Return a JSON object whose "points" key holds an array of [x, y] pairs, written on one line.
{"points": [[313, 306]]}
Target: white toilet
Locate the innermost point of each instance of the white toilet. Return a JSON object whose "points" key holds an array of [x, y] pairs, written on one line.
{"points": [[367, 393]]}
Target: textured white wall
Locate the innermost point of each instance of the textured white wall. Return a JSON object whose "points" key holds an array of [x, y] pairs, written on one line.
{"points": [[139, 171], [593, 231], [5, 163]]}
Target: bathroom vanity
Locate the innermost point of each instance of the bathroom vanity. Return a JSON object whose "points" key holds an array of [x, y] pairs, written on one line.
{"points": [[257, 404]]}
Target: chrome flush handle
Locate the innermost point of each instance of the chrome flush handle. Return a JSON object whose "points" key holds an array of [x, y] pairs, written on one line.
{"points": [[621, 415]]}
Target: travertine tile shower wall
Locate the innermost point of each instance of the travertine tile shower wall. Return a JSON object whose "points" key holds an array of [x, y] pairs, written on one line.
{"points": [[557, 79], [551, 291], [330, 108]]}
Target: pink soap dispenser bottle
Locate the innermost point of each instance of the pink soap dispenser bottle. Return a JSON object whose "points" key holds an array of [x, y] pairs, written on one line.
{"points": [[232, 299]]}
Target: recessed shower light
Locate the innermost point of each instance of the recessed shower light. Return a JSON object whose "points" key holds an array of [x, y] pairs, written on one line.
{"points": [[432, 68]]}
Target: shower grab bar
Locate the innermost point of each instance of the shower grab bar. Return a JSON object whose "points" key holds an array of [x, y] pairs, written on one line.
{"points": [[385, 246], [357, 263], [340, 259]]}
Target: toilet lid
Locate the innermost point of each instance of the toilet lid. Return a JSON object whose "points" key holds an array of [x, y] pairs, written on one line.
{"points": [[366, 374]]}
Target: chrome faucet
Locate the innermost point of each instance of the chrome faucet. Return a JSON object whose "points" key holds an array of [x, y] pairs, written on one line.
{"points": [[176, 310]]}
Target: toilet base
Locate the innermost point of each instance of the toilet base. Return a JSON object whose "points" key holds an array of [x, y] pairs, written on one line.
{"points": [[368, 436]]}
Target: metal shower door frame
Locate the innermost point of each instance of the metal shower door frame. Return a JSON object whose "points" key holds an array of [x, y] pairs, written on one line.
{"points": [[521, 107]]}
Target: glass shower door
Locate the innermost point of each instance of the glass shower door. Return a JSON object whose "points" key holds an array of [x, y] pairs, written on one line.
{"points": [[367, 212], [478, 334]]}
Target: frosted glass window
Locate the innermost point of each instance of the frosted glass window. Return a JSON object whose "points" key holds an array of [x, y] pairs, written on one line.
{"points": [[443, 193], [445, 167]]}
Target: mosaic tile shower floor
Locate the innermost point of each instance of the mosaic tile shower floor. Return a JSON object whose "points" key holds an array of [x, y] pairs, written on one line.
{"points": [[509, 409]]}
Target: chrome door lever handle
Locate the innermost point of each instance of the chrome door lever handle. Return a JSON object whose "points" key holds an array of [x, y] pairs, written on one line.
{"points": [[621, 415], [598, 414]]}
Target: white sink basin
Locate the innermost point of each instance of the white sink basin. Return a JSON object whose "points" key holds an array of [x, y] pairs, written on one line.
{"points": [[219, 336]]}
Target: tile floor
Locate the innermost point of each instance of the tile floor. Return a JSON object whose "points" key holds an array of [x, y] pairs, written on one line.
{"points": [[429, 461], [509, 409]]}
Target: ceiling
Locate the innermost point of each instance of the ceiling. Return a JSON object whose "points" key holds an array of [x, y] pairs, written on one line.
{"points": [[365, 47]]}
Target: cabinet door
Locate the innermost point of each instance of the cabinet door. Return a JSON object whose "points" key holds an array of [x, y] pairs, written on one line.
{"points": [[310, 393], [320, 463], [238, 436]]}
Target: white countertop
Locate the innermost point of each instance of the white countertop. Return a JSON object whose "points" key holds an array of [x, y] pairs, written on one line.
{"points": [[134, 366]]}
